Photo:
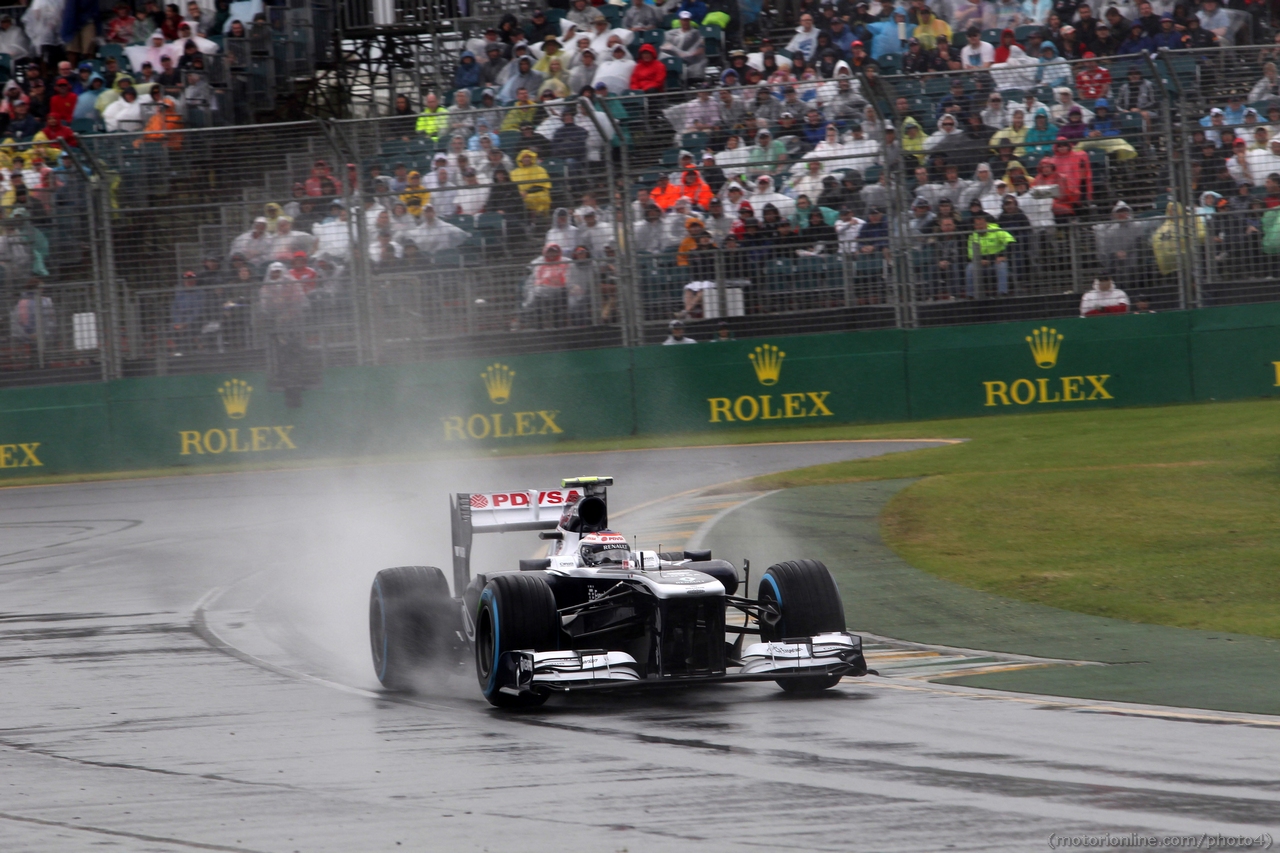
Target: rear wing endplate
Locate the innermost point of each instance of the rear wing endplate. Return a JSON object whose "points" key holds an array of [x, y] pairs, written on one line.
{"points": [[509, 512]]}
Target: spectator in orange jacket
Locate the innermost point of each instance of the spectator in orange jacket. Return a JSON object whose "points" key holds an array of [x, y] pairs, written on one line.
{"points": [[695, 189], [649, 75], [665, 194], [695, 229], [165, 117], [1074, 171]]}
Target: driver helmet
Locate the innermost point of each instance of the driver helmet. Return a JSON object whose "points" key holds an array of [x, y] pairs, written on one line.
{"points": [[604, 547]]}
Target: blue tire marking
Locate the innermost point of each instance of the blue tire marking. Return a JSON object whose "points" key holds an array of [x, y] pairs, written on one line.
{"points": [[382, 612], [487, 596], [777, 596]]}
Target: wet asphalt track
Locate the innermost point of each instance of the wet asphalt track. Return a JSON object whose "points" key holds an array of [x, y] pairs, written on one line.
{"points": [[123, 728]]}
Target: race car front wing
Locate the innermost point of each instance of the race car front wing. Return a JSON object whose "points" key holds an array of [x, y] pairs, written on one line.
{"points": [[821, 655]]}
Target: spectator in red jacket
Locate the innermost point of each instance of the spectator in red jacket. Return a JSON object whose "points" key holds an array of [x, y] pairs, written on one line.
{"points": [[63, 102], [649, 75], [300, 270], [55, 131], [1092, 80], [1105, 298]]}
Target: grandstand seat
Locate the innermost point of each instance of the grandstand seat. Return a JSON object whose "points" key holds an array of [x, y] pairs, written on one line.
{"points": [[670, 158], [782, 51], [449, 258], [1131, 126], [6, 66], [713, 40], [612, 14], [393, 147], [675, 71], [936, 87], [491, 225], [669, 21], [554, 167], [1024, 32], [508, 140], [1044, 94], [907, 87], [81, 126], [653, 37], [992, 35], [466, 223], [890, 63], [109, 50], [695, 141], [1013, 96]]}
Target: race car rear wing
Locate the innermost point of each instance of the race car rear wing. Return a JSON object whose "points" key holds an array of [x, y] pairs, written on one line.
{"points": [[508, 512]]}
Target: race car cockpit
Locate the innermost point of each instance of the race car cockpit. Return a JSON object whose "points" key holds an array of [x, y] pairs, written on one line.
{"points": [[604, 548]]}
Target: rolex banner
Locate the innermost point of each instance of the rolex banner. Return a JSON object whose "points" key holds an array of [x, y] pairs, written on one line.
{"points": [[461, 405], [763, 382]]}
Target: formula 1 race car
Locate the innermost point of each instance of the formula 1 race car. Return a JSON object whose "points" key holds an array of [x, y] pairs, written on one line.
{"points": [[598, 614]]}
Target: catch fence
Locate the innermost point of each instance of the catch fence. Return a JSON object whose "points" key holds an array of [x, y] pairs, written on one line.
{"points": [[155, 261]]}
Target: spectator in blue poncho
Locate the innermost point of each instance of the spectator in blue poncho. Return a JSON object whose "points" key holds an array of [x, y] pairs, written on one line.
{"points": [[891, 36], [467, 75], [86, 104]]}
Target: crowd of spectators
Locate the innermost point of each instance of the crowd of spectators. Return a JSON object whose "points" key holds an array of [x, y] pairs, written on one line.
{"points": [[795, 149], [784, 154], [136, 65]]}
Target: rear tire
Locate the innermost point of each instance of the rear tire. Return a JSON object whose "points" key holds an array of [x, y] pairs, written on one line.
{"points": [[412, 623], [517, 611], [809, 601]]}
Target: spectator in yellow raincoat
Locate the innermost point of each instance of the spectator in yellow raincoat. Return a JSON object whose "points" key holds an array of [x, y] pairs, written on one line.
{"points": [[534, 184], [415, 195]]}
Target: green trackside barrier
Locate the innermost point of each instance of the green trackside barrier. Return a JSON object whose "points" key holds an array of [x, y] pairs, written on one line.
{"points": [[883, 375], [1235, 352], [812, 379], [1125, 360]]}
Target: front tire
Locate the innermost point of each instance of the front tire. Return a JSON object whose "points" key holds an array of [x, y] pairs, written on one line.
{"points": [[412, 623], [517, 611], [809, 603]]}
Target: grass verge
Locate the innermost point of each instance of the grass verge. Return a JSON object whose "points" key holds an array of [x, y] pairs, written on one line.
{"points": [[1160, 515]]}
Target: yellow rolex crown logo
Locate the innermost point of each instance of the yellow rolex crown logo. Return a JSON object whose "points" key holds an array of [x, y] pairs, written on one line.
{"points": [[497, 381], [1044, 346], [235, 397], [767, 361]]}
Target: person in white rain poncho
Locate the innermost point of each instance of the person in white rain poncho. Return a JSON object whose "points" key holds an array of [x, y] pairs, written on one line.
{"points": [[615, 72], [810, 183], [1066, 102], [562, 231], [333, 236], [1017, 72], [685, 42], [124, 113], [472, 196], [982, 188], [831, 151], [861, 153], [434, 234], [766, 194], [1257, 164]]}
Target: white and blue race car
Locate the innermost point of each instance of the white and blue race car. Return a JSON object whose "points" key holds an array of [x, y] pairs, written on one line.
{"points": [[597, 614]]}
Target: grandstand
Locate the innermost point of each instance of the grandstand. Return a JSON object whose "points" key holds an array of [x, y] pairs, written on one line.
{"points": [[846, 175]]}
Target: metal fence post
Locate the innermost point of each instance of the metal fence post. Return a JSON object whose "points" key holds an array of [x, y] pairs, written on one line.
{"points": [[1186, 222], [628, 295], [895, 278], [362, 321]]}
